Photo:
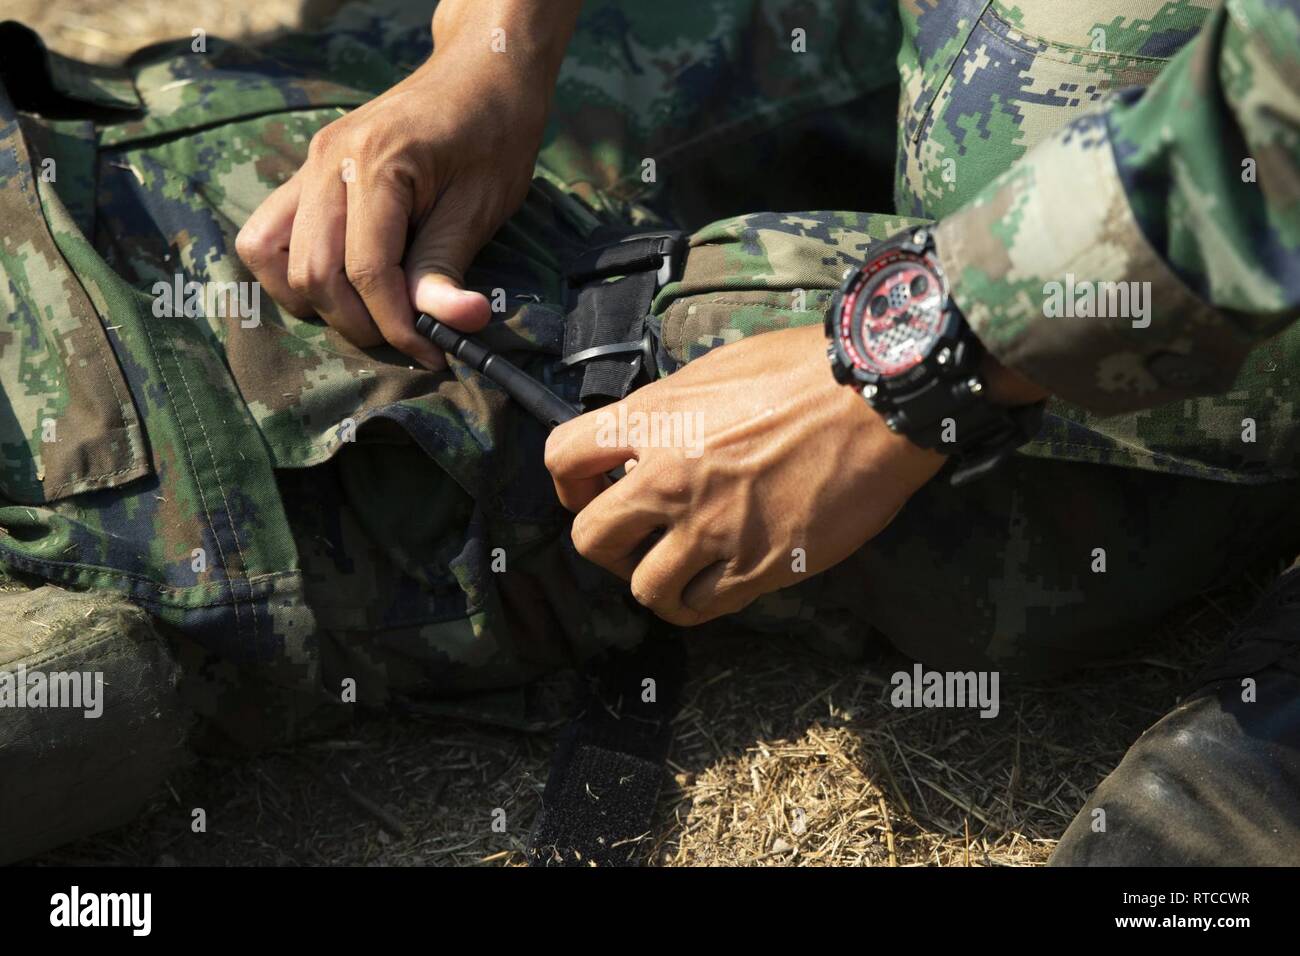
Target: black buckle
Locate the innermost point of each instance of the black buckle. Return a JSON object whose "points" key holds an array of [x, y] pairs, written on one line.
{"points": [[646, 347], [638, 253]]}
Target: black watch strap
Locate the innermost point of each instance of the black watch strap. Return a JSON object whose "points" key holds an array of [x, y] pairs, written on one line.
{"points": [[998, 431]]}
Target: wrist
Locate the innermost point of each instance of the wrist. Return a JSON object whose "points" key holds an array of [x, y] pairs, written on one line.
{"points": [[898, 337], [529, 35]]}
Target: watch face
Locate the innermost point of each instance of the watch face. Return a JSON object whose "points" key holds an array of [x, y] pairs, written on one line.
{"points": [[895, 315]]}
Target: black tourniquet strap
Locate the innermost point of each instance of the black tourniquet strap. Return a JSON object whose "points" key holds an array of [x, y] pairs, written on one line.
{"points": [[605, 776], [611, 288], [600, 797]]}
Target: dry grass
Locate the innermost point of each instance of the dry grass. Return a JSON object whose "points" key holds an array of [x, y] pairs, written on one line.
{"points": [[791, 759], [782, 756]]}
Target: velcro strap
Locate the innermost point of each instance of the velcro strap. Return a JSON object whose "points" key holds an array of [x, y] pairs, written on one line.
{"points": [[605, 777], [598, 809]]}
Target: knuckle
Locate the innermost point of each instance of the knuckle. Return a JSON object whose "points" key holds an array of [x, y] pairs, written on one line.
{"points": [[302, 281], [319, 273], [309, 277], [297, 278], [446, 266], [364, 274], [586, 539], [689, 617], [247, 241], [322, 142], [580, 534], [678, 617], [405, 340], [252, 244], [371, 145], [553, 454], [645, 594]]}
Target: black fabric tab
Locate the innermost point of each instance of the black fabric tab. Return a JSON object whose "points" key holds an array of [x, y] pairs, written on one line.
{"points": [[612, 287], [599, 810], [605, 777], [609, 312]]}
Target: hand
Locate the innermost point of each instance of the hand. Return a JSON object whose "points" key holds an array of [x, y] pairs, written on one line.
{"points": [[769, 454], [396, 198]]}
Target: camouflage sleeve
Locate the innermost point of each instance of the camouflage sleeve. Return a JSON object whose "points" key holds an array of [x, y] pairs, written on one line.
{"points": [[1136, 256]]}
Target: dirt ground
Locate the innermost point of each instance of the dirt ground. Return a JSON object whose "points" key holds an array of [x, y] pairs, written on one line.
{"points": [[783, 756]]}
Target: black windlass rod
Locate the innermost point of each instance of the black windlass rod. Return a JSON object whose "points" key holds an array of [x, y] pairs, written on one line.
{"points": [[538, 400]]}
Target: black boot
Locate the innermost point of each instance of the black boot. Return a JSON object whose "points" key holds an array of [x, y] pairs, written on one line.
{"points": [[1217, 780]]}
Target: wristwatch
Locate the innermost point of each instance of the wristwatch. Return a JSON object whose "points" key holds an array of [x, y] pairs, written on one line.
{"points": [[897, 336]]}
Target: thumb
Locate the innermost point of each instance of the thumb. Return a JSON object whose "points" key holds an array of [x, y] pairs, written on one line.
{"points": [[435, 268]]}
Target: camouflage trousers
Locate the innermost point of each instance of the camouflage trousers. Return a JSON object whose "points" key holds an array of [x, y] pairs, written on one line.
{"points": [[359, 522]]}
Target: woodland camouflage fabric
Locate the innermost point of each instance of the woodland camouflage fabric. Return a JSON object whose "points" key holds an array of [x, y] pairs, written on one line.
{"points": [[297, 511]]}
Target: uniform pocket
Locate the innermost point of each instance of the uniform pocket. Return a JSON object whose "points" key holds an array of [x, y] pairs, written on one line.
{"points": [[979, 92], [1135, 29]]}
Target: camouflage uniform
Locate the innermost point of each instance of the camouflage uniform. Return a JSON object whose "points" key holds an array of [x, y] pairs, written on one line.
{"points": [[294, 511], [1008, 117]]}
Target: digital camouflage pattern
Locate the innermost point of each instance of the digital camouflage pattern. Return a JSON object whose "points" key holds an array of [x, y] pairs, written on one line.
{"points": [[720, 84], [1190, 186], [295, 511], [982, 83]]}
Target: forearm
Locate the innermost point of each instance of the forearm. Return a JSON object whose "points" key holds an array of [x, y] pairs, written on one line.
{"points": [[529, 36]]}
